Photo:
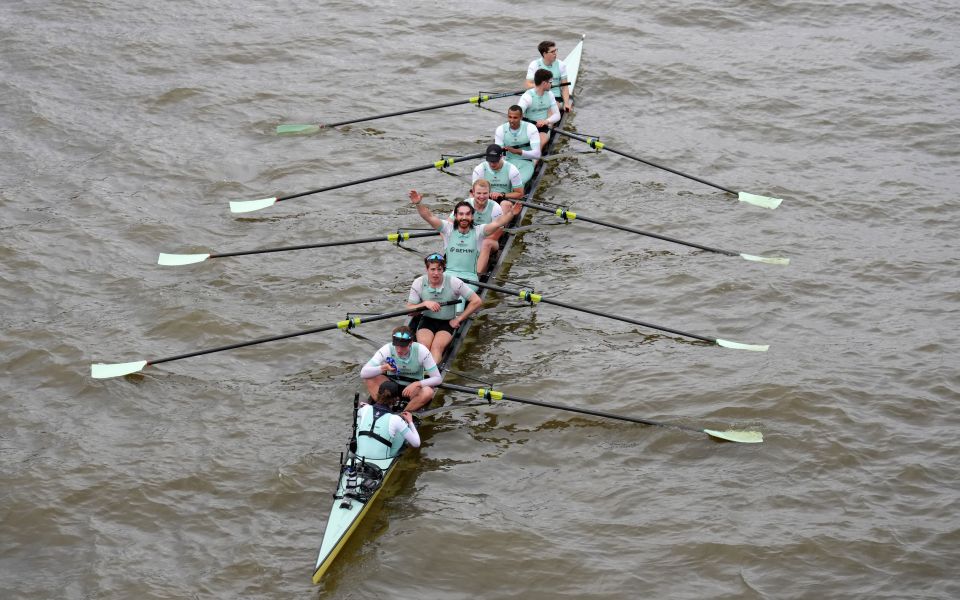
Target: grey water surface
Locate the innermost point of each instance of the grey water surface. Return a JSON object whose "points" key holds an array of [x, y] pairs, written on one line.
{"points": [[127, 127]]}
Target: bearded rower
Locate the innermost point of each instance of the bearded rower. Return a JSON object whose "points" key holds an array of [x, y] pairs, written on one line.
{"points": [[462, 239], [539, 104], [438, 323], [548, 60], [506, 183], [520, 141], [484, 212], [409, 359]]}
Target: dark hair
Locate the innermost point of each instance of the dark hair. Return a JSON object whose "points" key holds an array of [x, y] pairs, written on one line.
{"points": [[542, 47], [389, 392], [542, 75], [516, 108], [463, 203]]}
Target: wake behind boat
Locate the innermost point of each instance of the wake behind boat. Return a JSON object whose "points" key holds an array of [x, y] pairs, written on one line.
{"points": [[362, 479]]}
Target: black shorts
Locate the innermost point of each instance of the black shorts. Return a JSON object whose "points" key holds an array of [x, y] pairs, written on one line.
{"points": [[435, 325], [544, 129]]}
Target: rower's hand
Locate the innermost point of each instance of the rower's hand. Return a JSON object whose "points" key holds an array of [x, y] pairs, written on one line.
{"points": [[568, 106], [541, 123], [517, 207], [415, 197], [411, 390], [455, 322], [432, 306], [386, 368], [406, 416], [511, 150]]}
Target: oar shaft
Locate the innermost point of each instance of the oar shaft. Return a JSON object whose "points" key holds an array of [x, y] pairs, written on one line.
{"points": [[597, 312], [446, 162], [573, 409], [474, 100], [398, 113], [560, 213], [382, 238], [345, 324], [591, 141]]}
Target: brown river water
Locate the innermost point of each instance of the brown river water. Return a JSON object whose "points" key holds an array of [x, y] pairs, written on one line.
{"points": [[127, 127]]}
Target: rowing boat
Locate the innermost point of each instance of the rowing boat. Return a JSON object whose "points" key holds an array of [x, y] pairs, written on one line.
{"points": [[361, 480]]}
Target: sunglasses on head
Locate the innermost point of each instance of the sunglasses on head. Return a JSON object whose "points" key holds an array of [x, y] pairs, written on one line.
{"points": [[402, 339]]}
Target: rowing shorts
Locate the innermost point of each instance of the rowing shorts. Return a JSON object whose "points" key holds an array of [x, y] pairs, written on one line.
{"points": [[544, 129], [435, 325]]}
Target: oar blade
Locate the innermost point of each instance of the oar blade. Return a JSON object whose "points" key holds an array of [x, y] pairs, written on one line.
{"points": [[761, 201], [770, 260], [297, 129], [106, 371], [245, 206], [176, 260], [739, 346], [743, 437]]}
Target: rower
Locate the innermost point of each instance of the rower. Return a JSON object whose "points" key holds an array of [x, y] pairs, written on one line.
{"points": [[506, 183], [520, 141], [380, 432], [539, 104], [411, 360], [548, 60], [462, 239], [438, 323], [484, 212]]}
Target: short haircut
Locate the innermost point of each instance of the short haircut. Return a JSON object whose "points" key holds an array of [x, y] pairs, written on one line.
{"points": [[516, 108], [480, 182], [542, 47], [542, 75], [402, 329]]}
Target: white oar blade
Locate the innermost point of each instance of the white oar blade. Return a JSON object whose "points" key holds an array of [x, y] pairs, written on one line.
{"points": [[773, 260], [245, 206], [102, 371], [744, 437], [175, 260], [739, 346], [761, 201]]}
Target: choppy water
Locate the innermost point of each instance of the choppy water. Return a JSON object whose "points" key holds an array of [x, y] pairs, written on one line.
{"points": [[127, 128]]}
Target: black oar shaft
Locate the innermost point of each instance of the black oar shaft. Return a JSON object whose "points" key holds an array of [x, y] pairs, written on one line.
{"points": [[445, 162], [593, 144], [474, 100], [381, 238], [561, 213], [583, 411], [345, 324], [398, 113], [591, 311]]}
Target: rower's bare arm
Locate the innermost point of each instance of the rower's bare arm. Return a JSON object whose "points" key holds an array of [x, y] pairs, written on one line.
{"points": [[473, 305], [529, 83], [516, 194], [503, 220], [417, 199]]}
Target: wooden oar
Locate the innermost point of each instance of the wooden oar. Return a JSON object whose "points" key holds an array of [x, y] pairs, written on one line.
{"points": [[309, 128], [105, 371], [567, 215], [244, 206], [170, 260], [533, 298], [761, 201], [744, 437]]}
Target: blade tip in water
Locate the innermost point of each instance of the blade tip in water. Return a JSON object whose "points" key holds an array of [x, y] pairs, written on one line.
{"points": [[297, 129], [245, 206], [175, 260], [761, 201], [743, 437], [106, 371], [773, 260], [740, 346]]}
